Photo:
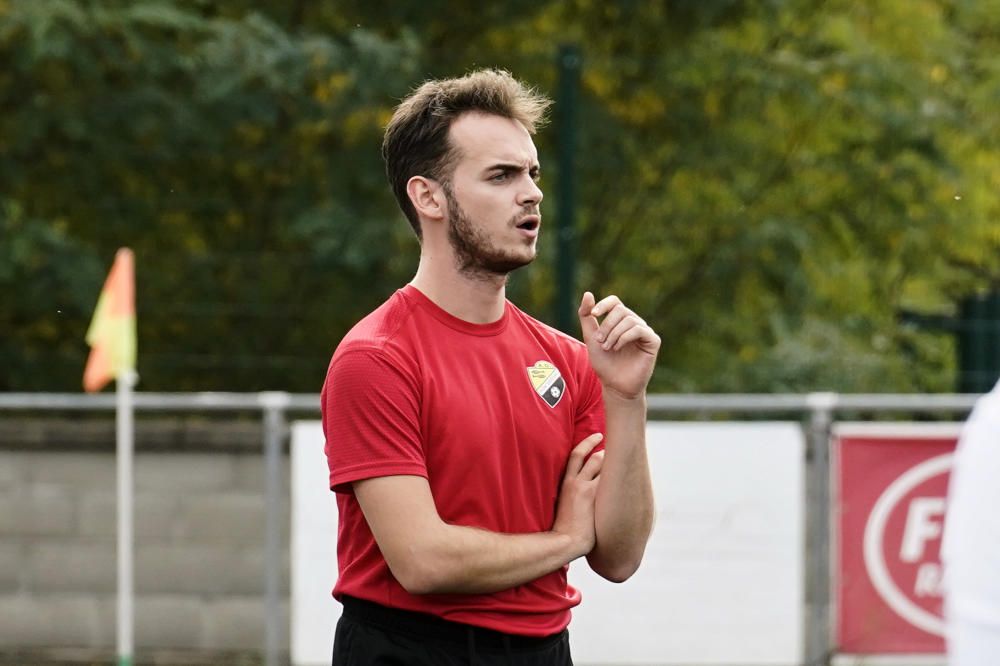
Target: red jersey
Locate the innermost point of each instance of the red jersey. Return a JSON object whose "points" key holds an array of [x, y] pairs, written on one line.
{"points": [[487, 413]]}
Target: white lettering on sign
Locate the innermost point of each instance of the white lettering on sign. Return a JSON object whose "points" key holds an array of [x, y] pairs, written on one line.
{"points": [[928, 583], [924, 521], [878, 569]]}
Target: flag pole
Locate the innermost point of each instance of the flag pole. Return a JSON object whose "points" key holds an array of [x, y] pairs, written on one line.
{"points": [[112, 339], [124, 435]]}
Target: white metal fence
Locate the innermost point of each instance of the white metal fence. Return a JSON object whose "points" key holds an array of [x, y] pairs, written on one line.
{"points": [[816, 411]]}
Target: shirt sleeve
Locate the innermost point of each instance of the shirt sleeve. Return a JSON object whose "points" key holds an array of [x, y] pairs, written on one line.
{"points": [[371, 419], [590, 417]]}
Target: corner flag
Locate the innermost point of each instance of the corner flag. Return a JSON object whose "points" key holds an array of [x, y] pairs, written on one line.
{"points": [[112, 336], [112, 340]]}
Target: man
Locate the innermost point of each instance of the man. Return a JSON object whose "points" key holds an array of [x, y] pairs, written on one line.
{"points": [[462, 435], [971, 548]]}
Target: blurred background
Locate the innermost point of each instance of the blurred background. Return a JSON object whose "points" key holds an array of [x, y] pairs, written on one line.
{"points": [[798, 195]]}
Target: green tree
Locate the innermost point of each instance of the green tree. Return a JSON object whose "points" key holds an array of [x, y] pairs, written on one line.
{"points": [[233, 156], [768, 184]]}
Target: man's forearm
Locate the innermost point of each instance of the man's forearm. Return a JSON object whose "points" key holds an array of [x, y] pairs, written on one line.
{"points": [[430, 556], [624, 504], [468, 560]]}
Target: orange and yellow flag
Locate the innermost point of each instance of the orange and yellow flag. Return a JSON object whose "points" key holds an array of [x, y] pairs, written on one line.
{"points": [[111, 335]]}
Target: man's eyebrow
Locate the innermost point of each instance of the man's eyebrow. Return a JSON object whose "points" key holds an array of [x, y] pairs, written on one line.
{"points": [[511, 166]]}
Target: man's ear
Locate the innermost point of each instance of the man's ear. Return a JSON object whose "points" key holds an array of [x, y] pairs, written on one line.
{"points": [[427, 198]]}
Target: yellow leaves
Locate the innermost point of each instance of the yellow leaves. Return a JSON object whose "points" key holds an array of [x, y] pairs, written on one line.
{"points": [[183, 227], [647, 105], [599, 82], [132, 183], [834, 83], [648, 173], [683, 186], [359, 124], [47, 329], [658, 257], [250, 133], [991, 233], [839, 31], [748, 36], [331, 87], [644, 106], [314, 131], [383, 115], [911, 31], [916, 210], [939, 73], [244, 170], [355, 127], [318, 60], [234, 219], [713, 104]]}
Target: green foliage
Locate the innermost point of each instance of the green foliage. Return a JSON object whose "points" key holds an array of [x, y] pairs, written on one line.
{"points": [[48, 286], [235, 158], [767, 183], [770, 184]]}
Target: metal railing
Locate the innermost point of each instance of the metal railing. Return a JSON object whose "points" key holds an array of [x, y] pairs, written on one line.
{"points": [[817, 411]]}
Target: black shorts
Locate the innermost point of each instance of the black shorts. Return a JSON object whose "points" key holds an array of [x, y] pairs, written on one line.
{"points": [[372, 635]]}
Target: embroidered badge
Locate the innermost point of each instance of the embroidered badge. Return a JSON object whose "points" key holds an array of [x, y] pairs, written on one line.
{"points": [[547, 382]]}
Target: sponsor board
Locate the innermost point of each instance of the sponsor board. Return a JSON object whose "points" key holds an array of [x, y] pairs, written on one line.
{"points": [[891, 482]]}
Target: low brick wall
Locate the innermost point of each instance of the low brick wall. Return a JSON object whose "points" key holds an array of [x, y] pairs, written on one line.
{"points": [[199, 536]]}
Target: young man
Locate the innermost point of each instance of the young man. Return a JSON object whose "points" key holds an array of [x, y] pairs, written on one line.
{"points": [[462, 435]]}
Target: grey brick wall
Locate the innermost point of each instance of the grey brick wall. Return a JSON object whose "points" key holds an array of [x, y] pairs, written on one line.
{"points": [[199, 527]]}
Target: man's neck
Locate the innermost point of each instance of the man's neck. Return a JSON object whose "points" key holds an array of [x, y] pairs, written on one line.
{"points": [[475, 299]]}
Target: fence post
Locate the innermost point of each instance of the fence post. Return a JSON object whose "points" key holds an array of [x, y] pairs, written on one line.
{"points": [[817, 556], [569, 65], [273, 404]]}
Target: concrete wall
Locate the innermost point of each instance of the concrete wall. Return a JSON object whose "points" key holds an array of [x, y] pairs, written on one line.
{"points": [[199, 528]]}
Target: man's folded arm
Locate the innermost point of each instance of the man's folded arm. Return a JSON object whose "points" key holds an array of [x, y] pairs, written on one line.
{"points": [[429, 556]]}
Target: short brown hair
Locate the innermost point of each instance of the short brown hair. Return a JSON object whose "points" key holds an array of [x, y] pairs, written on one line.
{"points": [[416, 138]]}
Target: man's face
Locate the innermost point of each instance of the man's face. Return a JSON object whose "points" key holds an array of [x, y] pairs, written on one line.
{"points": [[493, 196]]}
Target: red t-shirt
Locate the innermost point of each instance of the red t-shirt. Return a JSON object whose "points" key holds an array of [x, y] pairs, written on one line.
{"points": [[488, 413]]}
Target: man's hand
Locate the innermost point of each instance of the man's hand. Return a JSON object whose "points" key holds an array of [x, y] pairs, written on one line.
{"points": [[622, 346], [575, 511]]}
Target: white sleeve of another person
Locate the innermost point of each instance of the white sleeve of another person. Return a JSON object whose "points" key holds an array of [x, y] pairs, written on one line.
{"points": [[971, 548]]}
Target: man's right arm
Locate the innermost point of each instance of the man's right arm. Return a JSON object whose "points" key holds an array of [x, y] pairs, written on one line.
{"points": [[429, 556]]}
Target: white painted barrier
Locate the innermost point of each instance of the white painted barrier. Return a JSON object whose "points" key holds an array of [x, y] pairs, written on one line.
{"points": [[722, 581], [313, 612]]}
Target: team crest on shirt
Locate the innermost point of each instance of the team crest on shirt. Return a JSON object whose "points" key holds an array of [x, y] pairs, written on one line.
{"points": [[547, 382]]}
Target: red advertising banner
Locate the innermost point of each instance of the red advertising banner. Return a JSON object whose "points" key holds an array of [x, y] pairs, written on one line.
{"points": [[891, 481]]}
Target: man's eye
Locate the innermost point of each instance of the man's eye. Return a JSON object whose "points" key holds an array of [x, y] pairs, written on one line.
{"points": [[500, 177]]}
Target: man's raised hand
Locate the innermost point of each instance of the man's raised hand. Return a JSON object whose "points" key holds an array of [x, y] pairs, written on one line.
{"points": [[622, 346]]}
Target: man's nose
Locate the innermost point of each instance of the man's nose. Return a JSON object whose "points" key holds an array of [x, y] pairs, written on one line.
{"points": [[531, 194]]}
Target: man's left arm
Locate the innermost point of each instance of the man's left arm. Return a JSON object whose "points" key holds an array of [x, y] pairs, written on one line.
{"points": [[622, 350]]}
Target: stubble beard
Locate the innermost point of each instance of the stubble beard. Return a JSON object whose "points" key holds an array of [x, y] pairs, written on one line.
{"points": [[475, 254]]}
